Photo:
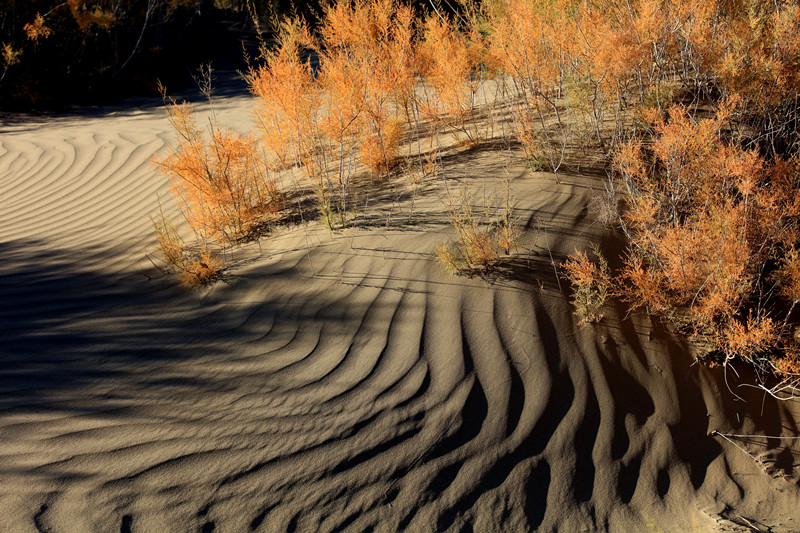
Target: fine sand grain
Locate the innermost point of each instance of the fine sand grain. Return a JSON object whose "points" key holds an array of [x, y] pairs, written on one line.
{"points": [[344, 382]]}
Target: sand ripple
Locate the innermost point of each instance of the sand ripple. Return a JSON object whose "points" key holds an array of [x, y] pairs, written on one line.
{"points": [[372, 393]]}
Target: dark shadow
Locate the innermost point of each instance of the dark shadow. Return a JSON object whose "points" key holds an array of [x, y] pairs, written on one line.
{"points": [[516, 400], [585, 438], [475, 410], [691, 435], [633, 401], [228, 84], [293, 523], [374, 452], [66, 325], [663, 482], [127, 522], [560, 400], [538, 488], [786, 461], [259, 519], [37, 519], [630, 397], [629, 478]]}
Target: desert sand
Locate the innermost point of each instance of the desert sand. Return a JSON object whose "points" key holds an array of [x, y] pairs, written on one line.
{"points": [[344, 381]]}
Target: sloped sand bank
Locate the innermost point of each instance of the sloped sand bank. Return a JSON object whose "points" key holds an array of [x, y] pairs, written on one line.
{"points": [[343, 382]]}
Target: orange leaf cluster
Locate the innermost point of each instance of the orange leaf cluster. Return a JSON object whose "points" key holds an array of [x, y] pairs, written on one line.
{"points": [[286, 98], [747, 340], [591, 282], [477, 244], [37, 29], [447, 62], [350, 106], [88, 14], [221, 182], [193, 267], [356, 99], [707, 219], [367, 74]]}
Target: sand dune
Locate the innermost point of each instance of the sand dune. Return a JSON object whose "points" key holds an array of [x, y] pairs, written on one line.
{"points": [[343, 382]]}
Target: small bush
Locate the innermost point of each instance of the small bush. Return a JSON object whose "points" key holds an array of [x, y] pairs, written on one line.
{"points": [[448, 62], [475, 242], [525, 133], [450, 257], [220, 179], [193, 268], [508, 232], [478, 244], [591, 282]]}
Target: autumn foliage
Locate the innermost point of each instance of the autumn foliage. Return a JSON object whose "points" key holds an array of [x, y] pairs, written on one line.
{"points": [[222, 184], [481, 239], [592, 283], [691, 106], [351, 110], [695, 106], [194, 265], [713, 230]]}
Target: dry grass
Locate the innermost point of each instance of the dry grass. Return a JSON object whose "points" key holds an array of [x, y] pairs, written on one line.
{"points": [[480, 241], [193, 267], [591, 282]]}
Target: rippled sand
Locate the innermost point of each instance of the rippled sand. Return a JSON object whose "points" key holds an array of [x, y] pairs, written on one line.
{"points": [[343, 382]]}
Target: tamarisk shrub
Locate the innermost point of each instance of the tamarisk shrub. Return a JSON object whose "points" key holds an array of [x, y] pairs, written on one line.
{"points": [[591, 281], [713, 230], [219, 178], [194, 267]]}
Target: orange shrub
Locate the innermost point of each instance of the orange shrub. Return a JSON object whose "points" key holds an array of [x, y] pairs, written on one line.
{"points": [[527, 43], [287, 99], [193, 267], [591, 282], [367, 70], [708, 221], [447, 64], [350, 108], [478, 243], [220, 181]]}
